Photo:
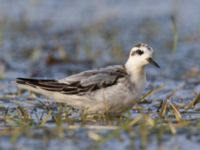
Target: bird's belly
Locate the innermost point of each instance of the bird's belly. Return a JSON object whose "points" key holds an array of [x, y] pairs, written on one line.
{"points": [[116, 98]]}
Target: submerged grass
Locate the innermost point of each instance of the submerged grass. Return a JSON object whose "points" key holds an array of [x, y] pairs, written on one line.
{"points": [[55, 122], [175, 32], [193, 103]]}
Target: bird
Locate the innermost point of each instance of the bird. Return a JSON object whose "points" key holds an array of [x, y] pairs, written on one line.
{"points": [[109, 90]]}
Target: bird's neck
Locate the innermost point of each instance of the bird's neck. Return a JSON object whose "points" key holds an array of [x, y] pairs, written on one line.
{"points": [[137, 74]]}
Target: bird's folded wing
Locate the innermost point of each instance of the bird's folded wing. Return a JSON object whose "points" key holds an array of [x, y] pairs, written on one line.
{"points": [[81, 83]]}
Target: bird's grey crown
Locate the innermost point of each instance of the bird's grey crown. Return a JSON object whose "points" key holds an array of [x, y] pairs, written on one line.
{"points": [[143, 45]]}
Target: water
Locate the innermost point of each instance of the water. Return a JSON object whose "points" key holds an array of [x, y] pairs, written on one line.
{"points": [[51, 39]]}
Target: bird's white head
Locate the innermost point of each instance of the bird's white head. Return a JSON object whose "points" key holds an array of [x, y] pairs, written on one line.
{"points": [[140, 55]]}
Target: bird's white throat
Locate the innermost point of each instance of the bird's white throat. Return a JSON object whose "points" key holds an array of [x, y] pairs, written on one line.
{"points": [[137, 73]]}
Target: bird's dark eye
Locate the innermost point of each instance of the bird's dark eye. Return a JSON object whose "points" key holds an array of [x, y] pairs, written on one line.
{"points": [[140, 52]]}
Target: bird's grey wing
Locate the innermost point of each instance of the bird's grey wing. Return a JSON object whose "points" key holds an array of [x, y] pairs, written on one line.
{"points": [[80, 83], [93, 79], [96, 75]]}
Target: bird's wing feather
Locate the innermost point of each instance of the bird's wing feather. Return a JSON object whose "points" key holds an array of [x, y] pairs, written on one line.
{"points": [[80, 83]]}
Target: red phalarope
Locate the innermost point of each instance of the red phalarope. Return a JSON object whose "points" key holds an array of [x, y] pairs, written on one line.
{"points": [[107, 90]]}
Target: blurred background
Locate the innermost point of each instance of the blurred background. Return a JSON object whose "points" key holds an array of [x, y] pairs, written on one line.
{"points": [[95, 33], [53, 39]]}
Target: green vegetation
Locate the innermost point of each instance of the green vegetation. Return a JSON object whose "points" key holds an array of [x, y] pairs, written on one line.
{"points": [[175, 33], [166, 119]]}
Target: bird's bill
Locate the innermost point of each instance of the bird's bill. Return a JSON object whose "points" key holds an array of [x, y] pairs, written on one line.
{"points": [[151, 61]]}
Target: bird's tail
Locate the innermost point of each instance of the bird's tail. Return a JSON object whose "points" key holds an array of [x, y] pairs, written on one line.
{"points": [[53, 89], [35, 82], [37, 85]]}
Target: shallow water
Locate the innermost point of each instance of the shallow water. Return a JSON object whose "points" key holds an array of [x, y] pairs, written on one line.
{"points": [[43, 39]]}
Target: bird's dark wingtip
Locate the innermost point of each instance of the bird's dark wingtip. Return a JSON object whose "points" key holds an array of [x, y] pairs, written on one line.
{"points": [[25, 80], [20, 81]]}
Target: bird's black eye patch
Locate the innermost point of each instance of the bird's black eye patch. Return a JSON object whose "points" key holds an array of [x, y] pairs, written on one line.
{"points": [[140, 52]]}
